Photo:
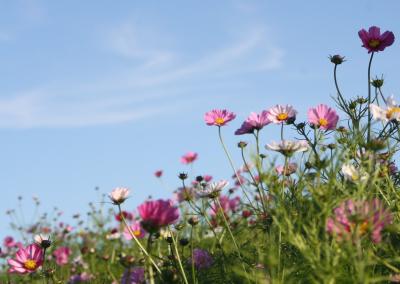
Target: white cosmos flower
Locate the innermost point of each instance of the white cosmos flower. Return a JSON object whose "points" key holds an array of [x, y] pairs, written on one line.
{"points": [[119, 195], [391, 112], [287, 147], [213, 189], [352, 174]]}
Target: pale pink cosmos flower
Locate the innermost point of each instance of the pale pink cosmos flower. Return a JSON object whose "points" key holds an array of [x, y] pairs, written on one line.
{"points": [[290, 169], [156, 214], [27, 260], [136, 229], [288, 148], [323, 117], [62, 255], [354, 219], [254, 122], [189, 158], [119, 195], [219, 117], [374, 41], [280, 114], [184, 194]]}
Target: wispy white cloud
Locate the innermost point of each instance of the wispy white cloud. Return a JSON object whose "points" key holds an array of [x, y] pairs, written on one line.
{"points": [[158, 74]]}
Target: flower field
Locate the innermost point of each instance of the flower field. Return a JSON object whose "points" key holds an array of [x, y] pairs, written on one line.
{"points": [[319, 204]]}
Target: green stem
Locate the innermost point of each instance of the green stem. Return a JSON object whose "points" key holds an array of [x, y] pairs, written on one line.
{"points": [[233, 167], [178, 258], [192, 256], [136, 240], [232, 237], [369, 97]]}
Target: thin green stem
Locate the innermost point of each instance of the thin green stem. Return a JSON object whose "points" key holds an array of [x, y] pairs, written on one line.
{"points": [[232, 237], [136, 239], [369, 97], [178, 257], [233, 167]]}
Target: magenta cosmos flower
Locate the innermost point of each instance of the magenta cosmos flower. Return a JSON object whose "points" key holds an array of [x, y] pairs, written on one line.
{"points": [[62, 255], [136, 229], [156, 214], [374, 41], [26, 260], [323, 117], [254, 122], [189, 158], [219, 117], [280, 114], [354, 219]]}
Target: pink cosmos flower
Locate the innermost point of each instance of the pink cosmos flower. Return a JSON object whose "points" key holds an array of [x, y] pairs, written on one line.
{"points": [[374, 41], [26, 260], [358, 218], [189, 158], [158, 173], [207, 178], [137, 230], [323, 117], [184, 194], [9, 242], [157, 213], [290, 169], [213, 189], [280, 114], [219, 117], [227, 204], [254, 122], [62, 255]]}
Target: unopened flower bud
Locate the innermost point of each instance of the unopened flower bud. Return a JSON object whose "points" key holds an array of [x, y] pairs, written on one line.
{"points": [[183, 176], [337, 59], [242, 144]]}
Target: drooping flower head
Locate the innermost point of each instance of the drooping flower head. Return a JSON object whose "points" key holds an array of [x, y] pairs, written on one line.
{"points": [[281, 114], [219, 117], [374, 41], [254, 122], [323, 117], [136, 229], [354, 219], [213, 189], [201, 258], [189, 158], [156, 214], [42, 240], [27, 260], [288, 148], [119, 195], [133, 275], [391, 112], [9, 242], [62, 255]]}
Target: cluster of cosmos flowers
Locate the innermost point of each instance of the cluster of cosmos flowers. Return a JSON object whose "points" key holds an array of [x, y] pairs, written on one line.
{"points": [[352, 220]]}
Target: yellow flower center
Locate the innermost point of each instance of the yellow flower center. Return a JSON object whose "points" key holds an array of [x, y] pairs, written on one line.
{"points": [[391, 111], [30, 264], [374, 43], [219, 121], [363, 228], [354, 177], [136, 233], [282, 116], [323, 122]]}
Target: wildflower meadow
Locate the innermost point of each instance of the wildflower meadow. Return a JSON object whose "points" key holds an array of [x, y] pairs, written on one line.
{"points": [[317, 204]]}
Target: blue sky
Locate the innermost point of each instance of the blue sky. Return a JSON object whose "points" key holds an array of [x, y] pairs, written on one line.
{"points": [[103, 93]]}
